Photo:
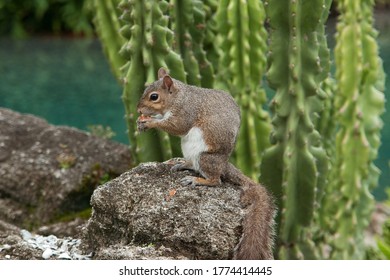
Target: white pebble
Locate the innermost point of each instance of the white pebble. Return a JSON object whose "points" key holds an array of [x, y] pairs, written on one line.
{"points": [[7, 256], [5, 247], [64, 246], [47, 253], [25, 234], [52, 239], [64, 256]]}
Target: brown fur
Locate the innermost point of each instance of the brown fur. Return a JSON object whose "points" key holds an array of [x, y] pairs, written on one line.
{"points": [[258, 226], [178, 108]]}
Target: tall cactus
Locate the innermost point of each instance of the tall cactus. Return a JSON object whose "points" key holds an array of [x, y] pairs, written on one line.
{"points": [[359, 103], [189, 23], [243, 61], [108, 25], [295, 166], [147, 43], [181, 35], [149, 47]]}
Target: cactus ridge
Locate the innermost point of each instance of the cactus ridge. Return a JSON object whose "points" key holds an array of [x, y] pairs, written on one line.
{"points": [[359, 102], [325, 130], [297, 158], [149, 47], [110, 32], [242, 37]]}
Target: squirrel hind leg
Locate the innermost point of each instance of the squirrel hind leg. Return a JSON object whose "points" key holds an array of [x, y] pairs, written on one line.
{"points": [[193, 180], [211, 167]]}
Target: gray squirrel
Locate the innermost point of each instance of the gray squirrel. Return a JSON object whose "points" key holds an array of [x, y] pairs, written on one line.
{"points": [[208, 121]]}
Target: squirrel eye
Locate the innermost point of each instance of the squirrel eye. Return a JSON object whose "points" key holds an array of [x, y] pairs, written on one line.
{"points": [[153, 97]]}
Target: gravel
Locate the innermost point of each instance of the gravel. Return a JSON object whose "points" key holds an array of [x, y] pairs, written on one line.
{"points": [[53, 247]]}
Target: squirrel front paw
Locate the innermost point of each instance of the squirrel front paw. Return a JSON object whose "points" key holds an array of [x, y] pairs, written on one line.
{"points": [[142, 126], [143, 123]]}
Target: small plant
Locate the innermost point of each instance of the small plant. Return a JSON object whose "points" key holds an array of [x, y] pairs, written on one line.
{"points": [[98, 130], [66, 160]]}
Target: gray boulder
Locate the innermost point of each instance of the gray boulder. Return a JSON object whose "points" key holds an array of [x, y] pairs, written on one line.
{"points": [[147, 206], [20, 244], [48, 172]]}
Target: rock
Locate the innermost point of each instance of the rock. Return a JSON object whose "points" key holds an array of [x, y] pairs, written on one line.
{"points": [[24, 245], [148, 207], [47, 172], [19, 244], [26, 235], [64, 256], [63, 229], [132, 252], [47, 253], [13, 246]]}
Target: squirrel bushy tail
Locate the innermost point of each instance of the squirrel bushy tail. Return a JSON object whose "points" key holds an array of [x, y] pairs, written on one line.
{"points": [[256, 242]]}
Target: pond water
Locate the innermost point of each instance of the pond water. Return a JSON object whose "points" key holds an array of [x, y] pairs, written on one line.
{"points": [[68, 81]]}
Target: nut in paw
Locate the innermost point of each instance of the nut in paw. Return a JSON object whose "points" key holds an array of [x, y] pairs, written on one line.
{"points": [[142, 122]]}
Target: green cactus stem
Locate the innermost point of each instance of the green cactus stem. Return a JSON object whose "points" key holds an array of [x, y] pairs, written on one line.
{"points": [[295, 166], [359, 102], [243, 61], [148, 48], [189, 21], [108, 26]]}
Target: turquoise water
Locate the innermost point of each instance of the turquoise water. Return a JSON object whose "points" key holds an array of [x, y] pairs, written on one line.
{"points": [[67, 81]]}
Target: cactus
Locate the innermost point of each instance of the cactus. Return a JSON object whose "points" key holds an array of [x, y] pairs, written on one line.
{"points": [[307, 113], [189, 22], [358, 103], [147, 44], [295, 166], [148, 47], [107, 25], [211, 31], [242, 37]]}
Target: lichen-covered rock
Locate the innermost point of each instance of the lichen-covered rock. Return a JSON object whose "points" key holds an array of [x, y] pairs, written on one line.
{"points": [[132, 252], [20, 244], [12, 246], [149, 206], [63, 229], [50, 171]]}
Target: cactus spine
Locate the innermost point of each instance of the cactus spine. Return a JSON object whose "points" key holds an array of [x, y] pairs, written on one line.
{"points": [[359, 103], [295, 166], [243, 61], [148, 47]]}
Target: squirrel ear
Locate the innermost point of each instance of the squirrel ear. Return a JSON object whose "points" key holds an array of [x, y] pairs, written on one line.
{"points": [[162, 72], [167, 82]]}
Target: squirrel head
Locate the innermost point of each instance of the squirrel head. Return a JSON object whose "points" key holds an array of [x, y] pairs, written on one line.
{"points": [[157, 97]]}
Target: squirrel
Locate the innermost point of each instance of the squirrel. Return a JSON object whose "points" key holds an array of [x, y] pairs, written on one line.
{"points": [[208, 121]]}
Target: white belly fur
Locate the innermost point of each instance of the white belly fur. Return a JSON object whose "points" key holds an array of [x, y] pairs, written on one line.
{"points": [[192, 145]]}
